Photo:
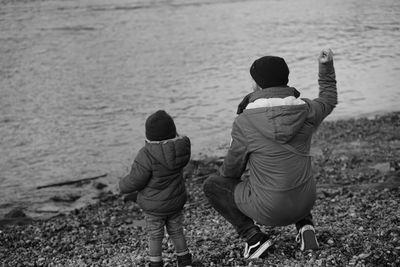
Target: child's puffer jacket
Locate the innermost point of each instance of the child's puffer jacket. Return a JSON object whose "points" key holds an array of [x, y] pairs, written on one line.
{"points": [[157, 173]]}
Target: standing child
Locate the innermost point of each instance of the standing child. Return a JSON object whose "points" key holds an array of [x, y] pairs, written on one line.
{"points": [[157, 174]]}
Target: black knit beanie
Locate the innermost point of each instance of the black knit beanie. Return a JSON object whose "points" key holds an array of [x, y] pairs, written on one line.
{"points": [[160, 126], [270, 71]]}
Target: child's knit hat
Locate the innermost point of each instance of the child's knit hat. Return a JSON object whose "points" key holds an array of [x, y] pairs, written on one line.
{"points": [[160, 126], [270, 71]]}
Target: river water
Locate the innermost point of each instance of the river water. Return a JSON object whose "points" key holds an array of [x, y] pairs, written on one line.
{"points": [[78, 77]]}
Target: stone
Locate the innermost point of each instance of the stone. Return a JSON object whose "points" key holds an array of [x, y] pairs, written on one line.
{"points": [[65, 198], [99, 185], [15, 213]]}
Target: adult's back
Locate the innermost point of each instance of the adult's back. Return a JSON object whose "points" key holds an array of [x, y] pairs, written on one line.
{"points": [[272, 136]]}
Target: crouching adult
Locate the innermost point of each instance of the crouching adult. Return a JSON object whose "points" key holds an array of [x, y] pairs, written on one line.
{"points": [[272, 137]]}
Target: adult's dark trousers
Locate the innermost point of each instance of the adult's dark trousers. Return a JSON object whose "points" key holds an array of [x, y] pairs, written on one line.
{"points": [[220, 193]]}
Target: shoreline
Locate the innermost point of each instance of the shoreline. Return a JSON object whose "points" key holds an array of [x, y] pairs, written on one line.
{"points": [[49, 202], [66, 199], [357, 168]]}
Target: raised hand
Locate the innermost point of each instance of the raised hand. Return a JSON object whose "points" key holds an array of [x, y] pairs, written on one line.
{"points": [[325, 56]]}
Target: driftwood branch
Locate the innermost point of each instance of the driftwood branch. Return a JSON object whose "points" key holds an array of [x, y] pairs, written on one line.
{"points": [[71, 182]]}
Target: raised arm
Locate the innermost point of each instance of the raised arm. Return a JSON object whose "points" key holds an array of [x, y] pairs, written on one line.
{"points": [[326, 101]]}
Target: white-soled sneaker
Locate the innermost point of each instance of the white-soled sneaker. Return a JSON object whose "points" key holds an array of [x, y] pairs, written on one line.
{"points": [[306, 238], [257, 249]]}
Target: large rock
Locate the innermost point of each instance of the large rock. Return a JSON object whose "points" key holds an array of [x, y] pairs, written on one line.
{"points": [[130, 197], [65, 198], [15, 216], [15, 213], [99, 185]]}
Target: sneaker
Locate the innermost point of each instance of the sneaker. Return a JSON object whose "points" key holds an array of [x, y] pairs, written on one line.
{"points": [[257, 248], [306, 238], [185, 260]]}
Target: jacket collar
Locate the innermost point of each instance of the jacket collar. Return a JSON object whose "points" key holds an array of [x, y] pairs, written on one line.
{"points": [[274, 92], [163, 141]]}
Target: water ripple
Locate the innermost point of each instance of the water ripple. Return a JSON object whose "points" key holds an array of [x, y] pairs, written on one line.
{"points": [[79, 78]]}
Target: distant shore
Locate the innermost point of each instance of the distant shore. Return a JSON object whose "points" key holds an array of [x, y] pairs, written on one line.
{"points": [[357, 168]]}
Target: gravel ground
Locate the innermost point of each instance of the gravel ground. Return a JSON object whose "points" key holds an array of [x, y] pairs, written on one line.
{"points": [[357, 216]]}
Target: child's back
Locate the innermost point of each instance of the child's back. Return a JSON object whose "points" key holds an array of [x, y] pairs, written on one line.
{"points": [[157, 175]]}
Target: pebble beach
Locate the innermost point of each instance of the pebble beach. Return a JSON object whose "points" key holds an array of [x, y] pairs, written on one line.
{"points": [[357, 168]]}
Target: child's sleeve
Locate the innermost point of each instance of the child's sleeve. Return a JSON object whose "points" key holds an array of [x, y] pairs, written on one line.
{"points": [[327, 99], [186, 151], [139, 175]]}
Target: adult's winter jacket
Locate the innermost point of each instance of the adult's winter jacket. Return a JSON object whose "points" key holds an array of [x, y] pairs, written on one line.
{"points": [[272, 136], [157, 174]]}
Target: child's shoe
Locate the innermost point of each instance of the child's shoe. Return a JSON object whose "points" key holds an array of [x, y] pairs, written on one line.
{"points": [[306, 238], [185, 260], [156, 264], [256, 247]]}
